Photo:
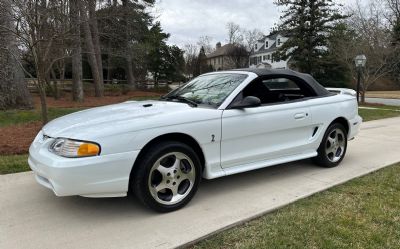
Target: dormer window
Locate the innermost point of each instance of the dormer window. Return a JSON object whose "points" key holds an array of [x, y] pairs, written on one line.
{"points": [[279, 42], [266, 45], [256, 46]]}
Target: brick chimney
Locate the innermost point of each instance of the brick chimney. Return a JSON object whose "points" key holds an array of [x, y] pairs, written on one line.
{"points": [[218, 46]]}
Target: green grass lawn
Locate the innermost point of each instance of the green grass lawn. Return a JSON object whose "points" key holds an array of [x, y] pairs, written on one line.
{"points": [[14, 117], [363, 213], [13, 164], [374, 114]]}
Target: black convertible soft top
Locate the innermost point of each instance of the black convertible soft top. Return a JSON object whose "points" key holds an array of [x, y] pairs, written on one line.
{"points": [[317, 87]]}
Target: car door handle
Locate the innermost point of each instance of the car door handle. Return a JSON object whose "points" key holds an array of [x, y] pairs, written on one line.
{"points": [[300, 115]]}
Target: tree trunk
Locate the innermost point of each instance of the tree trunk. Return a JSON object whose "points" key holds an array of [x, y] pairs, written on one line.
{"points": [[96, 39], [56, 91], [129, 72], [77, 85], [362, 97], [109, 70], [14, 91], [41, 84], [62, 78], [129, 67], [98, 87]]}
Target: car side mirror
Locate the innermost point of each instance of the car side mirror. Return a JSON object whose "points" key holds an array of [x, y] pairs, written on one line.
{"points": [[247, 102]]}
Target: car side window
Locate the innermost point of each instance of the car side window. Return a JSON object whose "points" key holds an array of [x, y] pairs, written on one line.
{"points": [[280, 84], [278, 90]]}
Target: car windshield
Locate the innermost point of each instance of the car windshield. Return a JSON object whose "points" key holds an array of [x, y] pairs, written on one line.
{"points": [[211, 89]]}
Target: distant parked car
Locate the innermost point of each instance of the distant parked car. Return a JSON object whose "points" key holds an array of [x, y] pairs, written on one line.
{"points": [[218, 124]]}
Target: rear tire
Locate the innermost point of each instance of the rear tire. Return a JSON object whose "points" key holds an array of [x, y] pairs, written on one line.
{"points": [[167, 177], [333, 147]]}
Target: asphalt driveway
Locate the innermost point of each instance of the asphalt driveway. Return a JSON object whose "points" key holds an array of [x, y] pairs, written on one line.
{"points": [[32, 217]]}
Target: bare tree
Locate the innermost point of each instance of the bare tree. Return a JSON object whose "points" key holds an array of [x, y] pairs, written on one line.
{"points": [[77, 89], [205, 42], [237, 56], [235, 35], [90, 47], [96, 38], [59, 49], [251, 37], [394, 13], [35, 33], [191, 59], [13, 88], [372, 38]]}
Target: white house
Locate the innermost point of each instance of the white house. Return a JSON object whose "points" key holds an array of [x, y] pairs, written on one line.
{"points": [[262, 53]]}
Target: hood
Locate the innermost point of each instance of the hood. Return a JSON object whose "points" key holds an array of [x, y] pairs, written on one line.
{"points": [[125, 117]]}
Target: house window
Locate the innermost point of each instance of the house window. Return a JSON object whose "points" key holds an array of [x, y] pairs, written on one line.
{"points": [[266, 45], [269, 57], [256, 46], [279, 42]]}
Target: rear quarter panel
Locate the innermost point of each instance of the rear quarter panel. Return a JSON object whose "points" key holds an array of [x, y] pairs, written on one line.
{"points": [[325, 110]]}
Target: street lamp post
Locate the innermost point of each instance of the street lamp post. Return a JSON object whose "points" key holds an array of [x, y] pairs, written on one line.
{"points": [[360, 62]]}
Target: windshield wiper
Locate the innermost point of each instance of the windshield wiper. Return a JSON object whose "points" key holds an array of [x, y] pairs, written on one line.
{"points": [[181, 99]]}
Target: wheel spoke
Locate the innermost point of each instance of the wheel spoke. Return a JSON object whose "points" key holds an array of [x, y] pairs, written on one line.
{"points": [[163, 170], [337, 139], [331, 140], [161, 186], [330, 150], [177, 164], [174, 189]]}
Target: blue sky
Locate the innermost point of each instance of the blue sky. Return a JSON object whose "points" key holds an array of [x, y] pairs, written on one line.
{"points": [[187, 20]]}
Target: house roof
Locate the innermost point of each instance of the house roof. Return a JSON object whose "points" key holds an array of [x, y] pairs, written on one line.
{"points": [[270, 36], [263, 50], [224, 50]]}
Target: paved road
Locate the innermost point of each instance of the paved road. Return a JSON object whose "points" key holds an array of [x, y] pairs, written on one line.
{"points": [[393, 102], [32, 217]]}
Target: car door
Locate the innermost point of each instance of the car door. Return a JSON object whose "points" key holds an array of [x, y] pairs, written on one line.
{"points": [[267, 132]]}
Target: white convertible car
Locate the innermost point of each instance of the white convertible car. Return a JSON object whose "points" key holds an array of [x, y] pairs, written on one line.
{"points": [[218, 124]]}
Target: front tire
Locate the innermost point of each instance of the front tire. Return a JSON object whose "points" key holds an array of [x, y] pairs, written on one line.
{"points": [[167, 177], [333, 146]]}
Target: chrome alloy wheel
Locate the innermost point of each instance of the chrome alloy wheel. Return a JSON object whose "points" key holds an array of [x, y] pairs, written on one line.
{"points": [[171, 178], [335, 145]]}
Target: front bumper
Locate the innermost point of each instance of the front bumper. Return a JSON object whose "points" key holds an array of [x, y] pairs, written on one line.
{"points": [[99, 176]]}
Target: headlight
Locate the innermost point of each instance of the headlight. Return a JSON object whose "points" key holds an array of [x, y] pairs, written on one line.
{"points": [[73, 148]]}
